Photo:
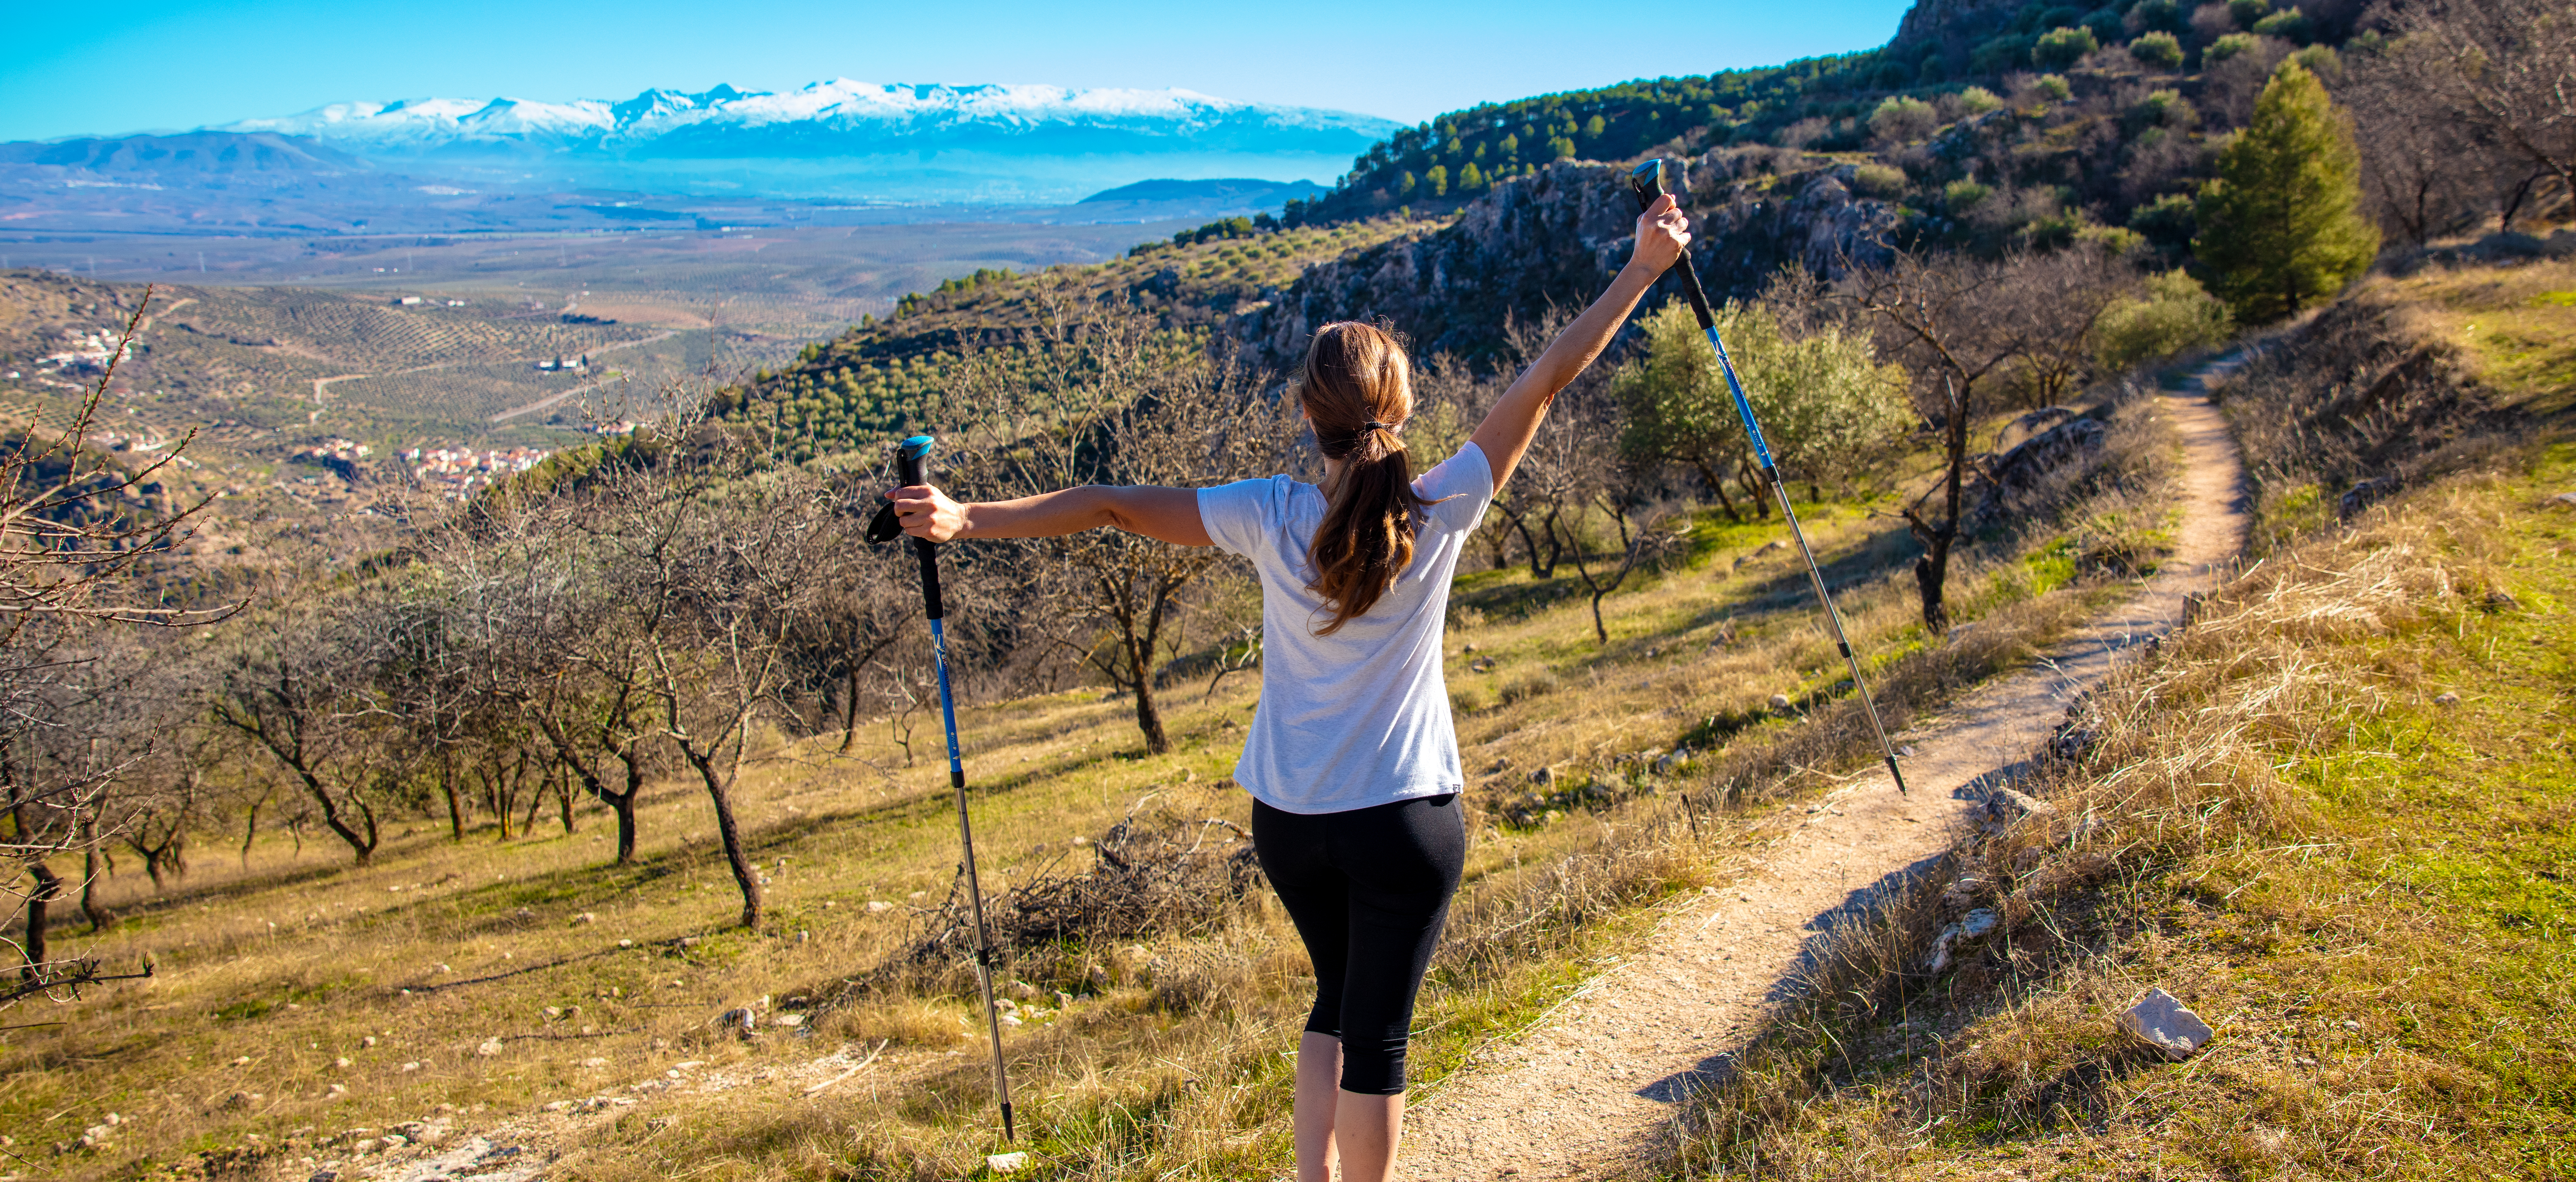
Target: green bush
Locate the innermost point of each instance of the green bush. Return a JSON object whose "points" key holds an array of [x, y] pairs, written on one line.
{"points": [[2107, 24], [1880, 181], [1977, 100], [2053, 86], [2007, 52], [1961, 196], [2171, 313], [1830, 406], [1902, 119], [2246, 12], [2063, 46], [2161, 14], [2159, 49], [2164, 108], [2289, 25], [2227, 47]]}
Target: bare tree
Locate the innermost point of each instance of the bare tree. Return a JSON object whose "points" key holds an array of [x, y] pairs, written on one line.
{"points": [[82, 537], [304, 693], [1100, 396], [1949, 319], [2503, 71]]}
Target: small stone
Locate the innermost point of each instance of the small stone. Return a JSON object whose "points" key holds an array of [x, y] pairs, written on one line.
{"points": [[337, 1091], [341, 1063], [594, 1061], [368, 1041], [2163, 1022], [1543, 776], [1469, 647], [626, 943], [1678, 756], [1079, 841], [2004, 806], [1779, 703], [789, 1020], [556, 1105], [2447, 698], [1005, 1163], [691, 941], [323, 1175], [2566, 498], [918, 896], [411, 1066], [585, 917], [2502, 601], [243, 1061], [488, 1048], [879, 906], [2349, 1024]]}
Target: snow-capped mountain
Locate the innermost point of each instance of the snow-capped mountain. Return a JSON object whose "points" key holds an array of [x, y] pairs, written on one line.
{"points": [[833, 119]]}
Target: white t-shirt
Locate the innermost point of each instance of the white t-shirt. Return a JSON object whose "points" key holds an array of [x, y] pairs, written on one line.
{"points": [[1360, 717]]}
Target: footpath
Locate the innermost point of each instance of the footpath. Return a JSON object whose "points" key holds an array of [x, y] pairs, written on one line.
{"points": [[1590, 1093]]}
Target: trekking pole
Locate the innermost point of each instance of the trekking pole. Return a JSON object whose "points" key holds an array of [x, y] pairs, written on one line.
{"points": [[1647, 183], [912, 462]]}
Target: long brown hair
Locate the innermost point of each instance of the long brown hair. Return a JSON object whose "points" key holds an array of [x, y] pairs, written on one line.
{"points": [[1357, 391]]}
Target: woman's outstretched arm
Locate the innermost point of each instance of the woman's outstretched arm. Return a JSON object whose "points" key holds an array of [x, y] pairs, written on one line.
{"points": [[1163, 514], [1662, 233]]}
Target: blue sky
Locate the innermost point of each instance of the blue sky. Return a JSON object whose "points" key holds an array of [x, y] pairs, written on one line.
{"points": [[69, 69]]}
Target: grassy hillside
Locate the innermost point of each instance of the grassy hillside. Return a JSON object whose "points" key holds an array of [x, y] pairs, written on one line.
{"points": [[2331, 817], [526, 991]]}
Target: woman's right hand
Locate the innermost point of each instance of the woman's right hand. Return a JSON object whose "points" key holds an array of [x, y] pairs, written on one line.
{"points": [[1663, 232]]}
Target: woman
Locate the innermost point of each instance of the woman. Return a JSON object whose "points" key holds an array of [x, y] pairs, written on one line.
{"points": [[1352, 761]]}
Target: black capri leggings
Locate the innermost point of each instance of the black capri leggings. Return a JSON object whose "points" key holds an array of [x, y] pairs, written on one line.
{"points": [[1369, 890]]}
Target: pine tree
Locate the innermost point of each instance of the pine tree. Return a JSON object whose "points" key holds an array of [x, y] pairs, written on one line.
{"points": [[2281, 227], [1470, 178]]}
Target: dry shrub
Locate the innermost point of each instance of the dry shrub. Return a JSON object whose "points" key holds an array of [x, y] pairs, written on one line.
{"points": [[1154, 873], [2347, 410]]}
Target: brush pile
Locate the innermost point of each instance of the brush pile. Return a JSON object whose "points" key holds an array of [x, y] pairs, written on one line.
{"points": [[1154, 873]]}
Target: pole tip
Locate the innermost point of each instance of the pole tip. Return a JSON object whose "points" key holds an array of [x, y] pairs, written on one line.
{"points": [[1898, 775]]}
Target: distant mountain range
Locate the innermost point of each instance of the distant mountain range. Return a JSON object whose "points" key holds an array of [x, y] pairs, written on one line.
{"points": [[865, 140], [843, 151], [837, 118]]}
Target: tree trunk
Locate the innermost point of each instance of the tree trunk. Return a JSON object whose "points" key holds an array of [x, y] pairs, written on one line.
{"points": [[1931, 570], [455, 800], [849, 709], [49, 886], [97, 915], [745, 875], [1717, 484], [1149, 718]]}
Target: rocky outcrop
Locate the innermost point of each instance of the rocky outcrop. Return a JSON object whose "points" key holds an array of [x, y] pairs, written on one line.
{"points": [[1556, 237]]}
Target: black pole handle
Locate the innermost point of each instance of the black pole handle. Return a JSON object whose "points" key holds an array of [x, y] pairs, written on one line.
{"points": [[1647, 183], [912, 463]]}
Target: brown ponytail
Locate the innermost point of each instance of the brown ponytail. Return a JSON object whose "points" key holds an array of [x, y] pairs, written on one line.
{"points": [[1357, 391]]}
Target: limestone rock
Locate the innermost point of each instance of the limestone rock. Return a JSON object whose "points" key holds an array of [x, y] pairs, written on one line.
{"points": [[2003, 806], [1005, 1163], [2163, 1022], [1971, 928]]}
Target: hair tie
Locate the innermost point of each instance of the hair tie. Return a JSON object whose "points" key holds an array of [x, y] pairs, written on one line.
{"points": [[1375, 425]]}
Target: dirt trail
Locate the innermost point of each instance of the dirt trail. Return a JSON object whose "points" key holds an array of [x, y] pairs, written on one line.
{"points": [[1587, 1094]]}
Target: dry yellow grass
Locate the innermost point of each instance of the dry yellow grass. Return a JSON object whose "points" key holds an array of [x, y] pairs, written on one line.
{"points": [[302, 1008], [2331, 817]]}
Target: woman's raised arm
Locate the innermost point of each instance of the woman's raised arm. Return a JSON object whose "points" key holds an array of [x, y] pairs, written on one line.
{"points": [[1164, 514], [1662, 233]]}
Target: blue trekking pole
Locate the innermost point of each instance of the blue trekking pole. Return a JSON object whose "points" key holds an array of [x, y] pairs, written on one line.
{"points": [[1647, 183], [912, 463]]}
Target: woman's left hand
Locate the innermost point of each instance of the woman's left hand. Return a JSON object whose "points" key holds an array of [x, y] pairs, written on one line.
{"points": [[927, 513]]}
